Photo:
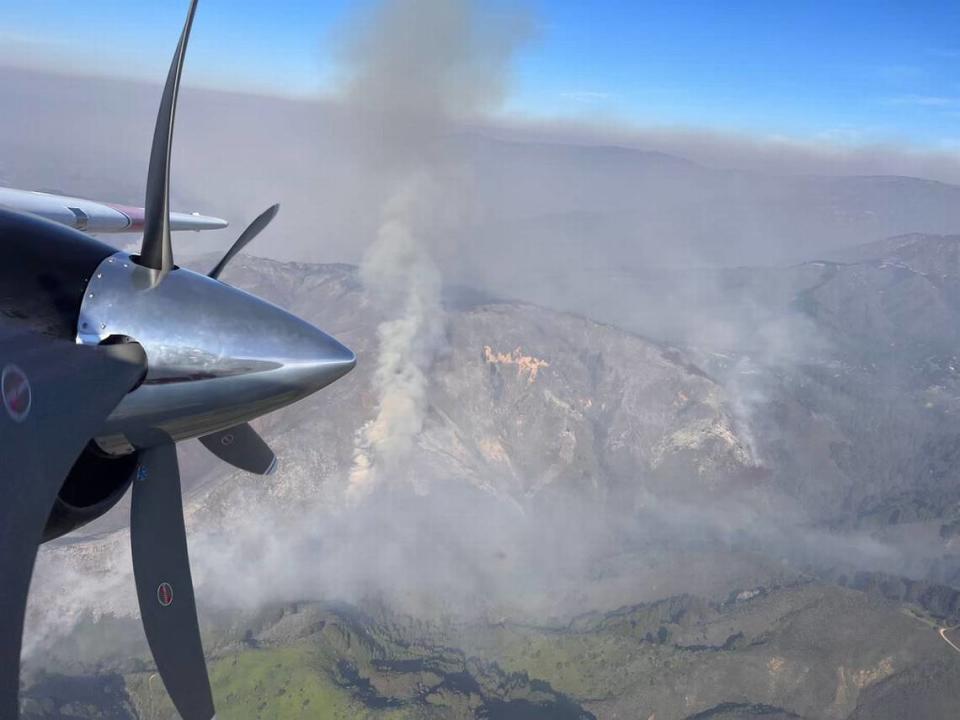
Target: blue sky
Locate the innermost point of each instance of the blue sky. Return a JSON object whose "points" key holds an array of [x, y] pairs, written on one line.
{"points": [[852, 72]]}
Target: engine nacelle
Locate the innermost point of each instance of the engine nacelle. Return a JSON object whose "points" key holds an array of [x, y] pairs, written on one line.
{"points": [[96, 483]]}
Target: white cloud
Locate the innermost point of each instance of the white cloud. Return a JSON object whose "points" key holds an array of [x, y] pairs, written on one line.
{"points": [[586, 97]]}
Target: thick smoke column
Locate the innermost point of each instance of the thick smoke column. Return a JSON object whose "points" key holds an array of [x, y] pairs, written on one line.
{"points": [[403, 279], [413, 72]]}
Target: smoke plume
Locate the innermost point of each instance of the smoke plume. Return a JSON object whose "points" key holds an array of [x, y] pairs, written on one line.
{"points": [[413, 72]]}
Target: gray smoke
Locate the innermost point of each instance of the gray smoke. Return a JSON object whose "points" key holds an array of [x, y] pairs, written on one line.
{"points": [[413, 71]]}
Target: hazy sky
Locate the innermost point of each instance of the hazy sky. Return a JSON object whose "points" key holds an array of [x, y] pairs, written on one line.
{"points": [[841, 70]]}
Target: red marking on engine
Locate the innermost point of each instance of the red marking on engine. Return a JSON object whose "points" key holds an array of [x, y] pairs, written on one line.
{"points": [[17, 395]]}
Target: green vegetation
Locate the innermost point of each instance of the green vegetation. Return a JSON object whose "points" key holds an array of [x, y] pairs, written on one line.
{"points": [[283, 682], [345, 665], [808, 649]]}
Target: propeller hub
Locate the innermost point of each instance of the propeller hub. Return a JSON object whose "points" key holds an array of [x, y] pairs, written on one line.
{"points": [[216, 356]]}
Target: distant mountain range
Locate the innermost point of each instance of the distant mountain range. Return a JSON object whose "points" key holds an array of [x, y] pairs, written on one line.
{"points": [[547, 207]]}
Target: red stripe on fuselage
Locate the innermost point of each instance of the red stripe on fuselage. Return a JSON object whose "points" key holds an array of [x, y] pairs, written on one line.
{"points": [[134, 215]]}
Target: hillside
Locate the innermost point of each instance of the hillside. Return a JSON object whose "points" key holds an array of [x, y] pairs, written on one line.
{"points": [[799, 650], [586, 507]]}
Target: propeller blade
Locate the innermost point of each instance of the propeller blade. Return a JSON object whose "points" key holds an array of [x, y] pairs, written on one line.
{"points": [[156, 252], [161, 567], [55, 398], [253, 229], [243, 448]]}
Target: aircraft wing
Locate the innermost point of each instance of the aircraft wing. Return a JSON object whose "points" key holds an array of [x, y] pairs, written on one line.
{"points": [[54, 396], [96, 217]]}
